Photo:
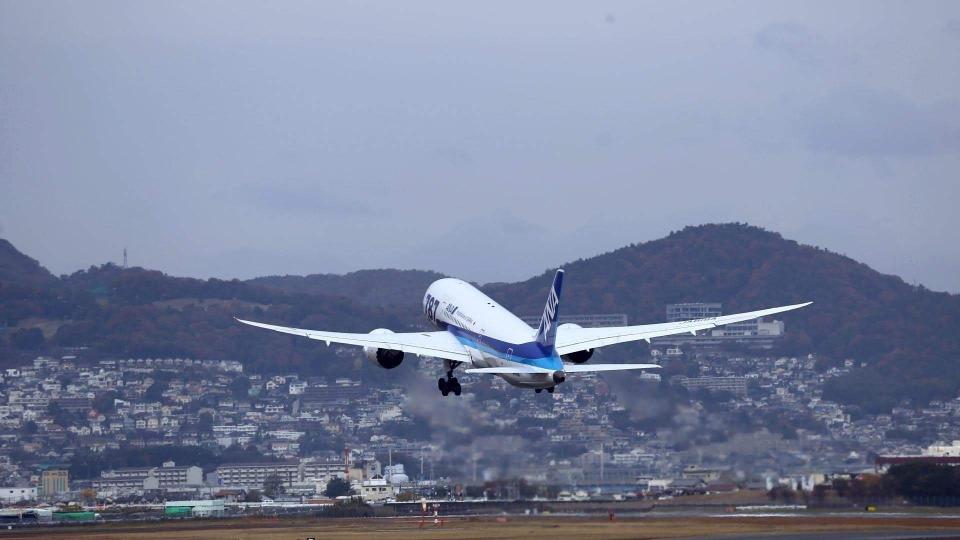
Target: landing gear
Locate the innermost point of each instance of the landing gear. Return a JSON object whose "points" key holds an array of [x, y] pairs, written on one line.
{"points": [[538, 390], [551, 389], [449, 384]]}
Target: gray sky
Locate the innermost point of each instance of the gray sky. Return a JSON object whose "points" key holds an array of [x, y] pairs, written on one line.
{"points": [[490, 140]]}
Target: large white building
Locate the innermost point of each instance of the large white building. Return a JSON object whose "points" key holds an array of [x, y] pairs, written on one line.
{"points": [[943, 450], [734, 385], [10, 495], [253, 475], [377, 489], [693, 310], [756, 333], [136, 479]]}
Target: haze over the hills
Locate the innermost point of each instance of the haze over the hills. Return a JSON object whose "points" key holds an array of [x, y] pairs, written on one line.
{"points": [[908, 335]]}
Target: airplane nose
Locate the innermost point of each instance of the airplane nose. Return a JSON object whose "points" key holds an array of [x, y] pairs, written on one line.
{"points": [[559, 377]]}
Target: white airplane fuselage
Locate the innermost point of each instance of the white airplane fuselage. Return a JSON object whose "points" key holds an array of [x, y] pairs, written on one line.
{"points": [[492, 335]]}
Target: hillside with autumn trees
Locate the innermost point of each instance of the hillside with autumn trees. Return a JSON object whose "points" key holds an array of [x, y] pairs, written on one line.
{"points": [[108, 311], [908, 336]]}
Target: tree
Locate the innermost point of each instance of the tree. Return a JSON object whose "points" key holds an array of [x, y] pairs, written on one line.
{"points": [[88, 496], [406, 496], [272, 486], [104, 403], [337, 487], [841, 486], [239, 387], [916, 480], [205, 423], [155, 392], [27, 339], [60, 416], [820, 493], [29, 428], [783, 493]]}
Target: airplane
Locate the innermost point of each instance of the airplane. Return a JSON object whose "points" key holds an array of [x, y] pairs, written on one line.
{"points": [[476, 331]]}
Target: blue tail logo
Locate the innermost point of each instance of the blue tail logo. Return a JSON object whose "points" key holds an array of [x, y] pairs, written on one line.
{"points": [[547, 332]]}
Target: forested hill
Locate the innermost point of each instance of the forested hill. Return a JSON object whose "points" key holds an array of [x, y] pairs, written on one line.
{"points": [[909, 336], [15, 267], [110, 311], [370, 287]]}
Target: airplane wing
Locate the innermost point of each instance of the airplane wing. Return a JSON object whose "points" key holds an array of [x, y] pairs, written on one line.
{"points": [[588, 368], [436, 344], [571, 339], [511, 369]]}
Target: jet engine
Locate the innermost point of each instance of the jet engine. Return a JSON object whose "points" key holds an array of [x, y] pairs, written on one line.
{"points": [[385, 358], [578, 357]]}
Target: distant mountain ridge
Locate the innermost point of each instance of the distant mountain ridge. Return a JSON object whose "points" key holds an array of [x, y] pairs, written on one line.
{"points": [[909, 336], [15, 267], [370, 287]]}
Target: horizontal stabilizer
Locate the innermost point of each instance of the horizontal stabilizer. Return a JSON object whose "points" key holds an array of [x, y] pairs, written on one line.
{"points": [[508, 370], [587, 368]]}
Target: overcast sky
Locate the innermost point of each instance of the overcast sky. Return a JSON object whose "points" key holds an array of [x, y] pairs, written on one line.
{"points": [[488, 140]]}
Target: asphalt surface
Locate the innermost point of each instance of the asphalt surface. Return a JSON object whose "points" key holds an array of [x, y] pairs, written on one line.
{"points": [[844, 535]]}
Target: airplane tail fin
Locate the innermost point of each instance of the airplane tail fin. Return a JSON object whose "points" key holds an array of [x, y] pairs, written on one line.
{"points": [[547, 332]]}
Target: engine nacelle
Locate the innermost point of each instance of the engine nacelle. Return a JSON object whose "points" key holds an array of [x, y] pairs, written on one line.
{"points": [[578, 357], [385, 358]]}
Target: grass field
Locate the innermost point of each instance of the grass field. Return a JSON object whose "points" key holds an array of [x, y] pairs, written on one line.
{"points": [[555, 528]]}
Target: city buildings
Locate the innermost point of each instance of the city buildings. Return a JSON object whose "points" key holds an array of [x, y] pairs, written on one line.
{"points": [[11, 495], [770, 418], [54, 482]]}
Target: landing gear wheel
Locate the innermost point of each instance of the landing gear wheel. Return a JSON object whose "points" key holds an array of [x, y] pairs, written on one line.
{"points": [[551, 389], [538, 390], [450, 383]]}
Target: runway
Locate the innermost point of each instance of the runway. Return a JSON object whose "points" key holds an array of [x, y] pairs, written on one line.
{"points": [[839, 535], [854, 527]]}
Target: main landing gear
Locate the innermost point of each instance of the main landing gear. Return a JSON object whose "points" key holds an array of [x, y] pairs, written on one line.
{"points": [[549, 390], [449, 384]]}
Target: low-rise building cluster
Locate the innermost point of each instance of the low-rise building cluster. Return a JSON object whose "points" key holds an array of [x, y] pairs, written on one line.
{"points": [[737, 419]]}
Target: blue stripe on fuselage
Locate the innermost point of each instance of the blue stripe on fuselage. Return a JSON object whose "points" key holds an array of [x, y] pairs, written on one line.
{"points": [[531, 353]]}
